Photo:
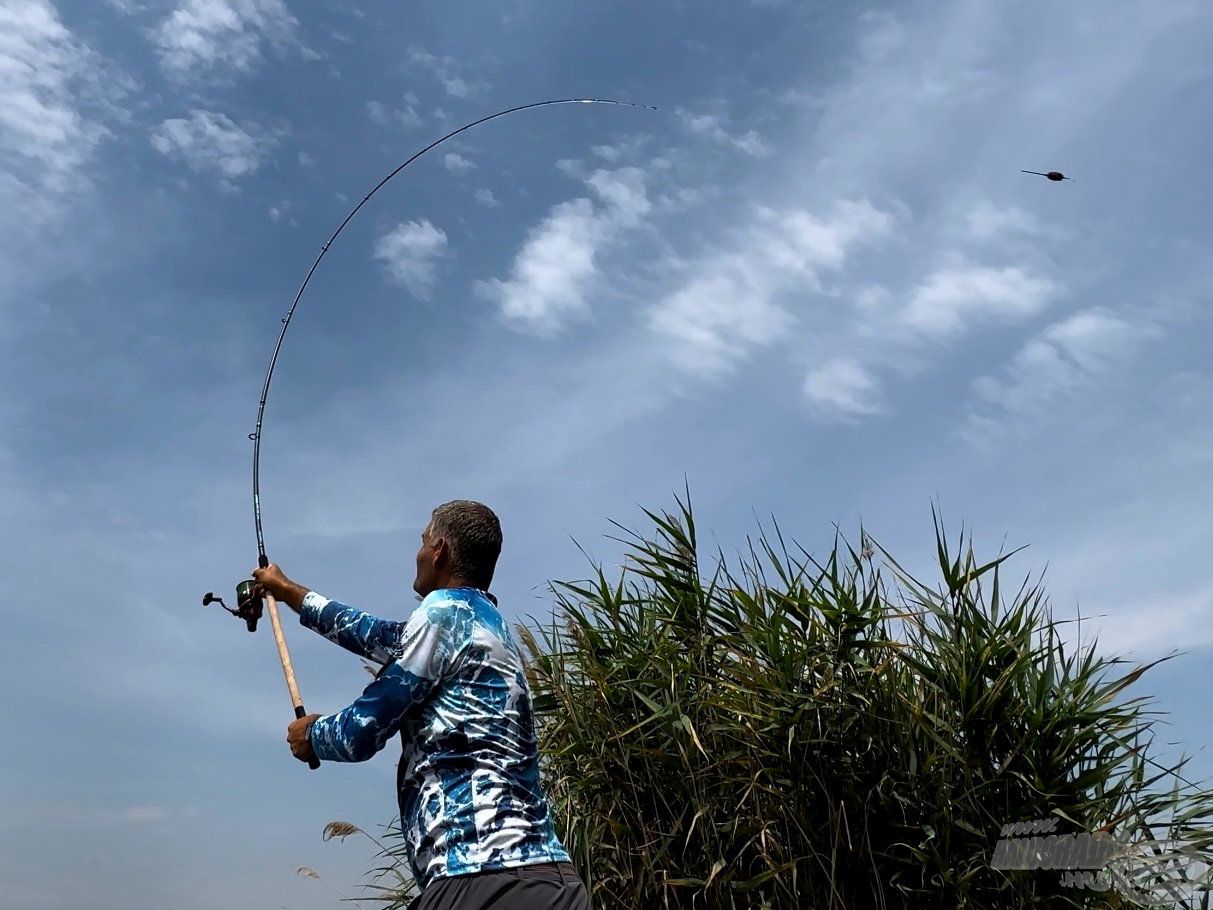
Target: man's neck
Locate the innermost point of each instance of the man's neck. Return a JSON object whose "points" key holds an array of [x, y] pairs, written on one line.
{"points": [[454, 584]]}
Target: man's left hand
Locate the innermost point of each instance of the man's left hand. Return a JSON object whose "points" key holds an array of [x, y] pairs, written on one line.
{"points": [[271, 580], [297, 734]]}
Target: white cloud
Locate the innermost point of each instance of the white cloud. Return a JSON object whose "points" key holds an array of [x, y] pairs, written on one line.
{"points": [[1062, 360], [407, 115], [144, 814], [624, 193], [212, 142], [410, 253], [486, 198], [547, 283], [713, 126], [803, 243], [1144, 630], [986, 221], [446, 71], [56, 94], [953, 297], [713, 318], [730, 301], [457, 164], [60, 105], [215, 37], [624, 148], [843, 388], [556, 264]]}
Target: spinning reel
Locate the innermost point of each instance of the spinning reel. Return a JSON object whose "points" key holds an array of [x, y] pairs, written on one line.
{"points": [[248, 606]]}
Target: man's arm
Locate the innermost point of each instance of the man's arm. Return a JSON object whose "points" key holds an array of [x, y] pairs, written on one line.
{"points": [[366, 635], [429, 645], [359, 731]]}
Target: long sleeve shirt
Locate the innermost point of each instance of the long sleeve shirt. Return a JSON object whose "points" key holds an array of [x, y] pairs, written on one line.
{"points": [[453, 687]]}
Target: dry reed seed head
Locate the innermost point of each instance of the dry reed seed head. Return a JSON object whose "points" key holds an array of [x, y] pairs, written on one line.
{"points": [[341, 830]]}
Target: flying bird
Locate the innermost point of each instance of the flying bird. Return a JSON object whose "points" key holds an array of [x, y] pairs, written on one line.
{"points": [[1052, 175]]}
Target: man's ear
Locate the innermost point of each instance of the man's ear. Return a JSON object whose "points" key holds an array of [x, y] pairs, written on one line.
{"points": [[442, 552]]}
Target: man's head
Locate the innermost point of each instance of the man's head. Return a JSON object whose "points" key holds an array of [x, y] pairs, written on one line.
{"points": [[459, 548]]}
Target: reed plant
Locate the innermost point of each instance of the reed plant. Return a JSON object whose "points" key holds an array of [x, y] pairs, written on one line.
{"points": [[784, 731], [780, 731]]}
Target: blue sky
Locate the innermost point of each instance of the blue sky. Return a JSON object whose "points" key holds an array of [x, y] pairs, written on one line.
{"points": [[814, 285]]}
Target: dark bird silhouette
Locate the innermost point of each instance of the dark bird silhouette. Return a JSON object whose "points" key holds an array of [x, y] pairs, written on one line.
{"points": [[1052, 175]]}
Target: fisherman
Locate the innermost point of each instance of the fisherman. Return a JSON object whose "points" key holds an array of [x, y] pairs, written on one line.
{"points": [[478, 828]]}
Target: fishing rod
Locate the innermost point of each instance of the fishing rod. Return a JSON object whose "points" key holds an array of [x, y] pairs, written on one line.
{"points": [[249, 606]]}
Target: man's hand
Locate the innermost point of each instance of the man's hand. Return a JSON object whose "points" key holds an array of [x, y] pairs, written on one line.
{"points": [[300, 741], [270, 580]]}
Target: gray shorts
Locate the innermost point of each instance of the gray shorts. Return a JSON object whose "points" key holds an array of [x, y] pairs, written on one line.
{"points": [[542, 886]]}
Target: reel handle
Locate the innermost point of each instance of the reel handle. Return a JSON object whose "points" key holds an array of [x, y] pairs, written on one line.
{"points": [[313, 762]]}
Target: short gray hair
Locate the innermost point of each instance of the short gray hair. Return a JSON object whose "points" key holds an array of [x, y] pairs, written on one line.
{"points": [[473, 534]]}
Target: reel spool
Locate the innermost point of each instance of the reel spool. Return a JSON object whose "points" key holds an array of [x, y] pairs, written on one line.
{"points": [[248, 606]]}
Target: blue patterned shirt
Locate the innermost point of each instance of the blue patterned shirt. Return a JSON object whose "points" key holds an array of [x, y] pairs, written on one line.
{"points": [[453, 687]]}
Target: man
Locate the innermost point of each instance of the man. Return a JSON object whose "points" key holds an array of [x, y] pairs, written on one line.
{"points": [[477, 826]]}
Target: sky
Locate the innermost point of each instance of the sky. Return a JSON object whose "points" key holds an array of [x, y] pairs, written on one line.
{"points": [[813, 286]]}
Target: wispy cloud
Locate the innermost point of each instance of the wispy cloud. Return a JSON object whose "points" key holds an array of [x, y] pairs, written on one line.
{"points": [[556, 265], [1145, 630], [730, 301], [141, 815], [209, 142], [1064, 359], [843, 389], [908, 331], [486, 198], [714, 127], [448, 71], [405, 115], [410, 254], [985, 221], [213, 38], [58, 94], [282, 210], [956, 296], [622, 149]]}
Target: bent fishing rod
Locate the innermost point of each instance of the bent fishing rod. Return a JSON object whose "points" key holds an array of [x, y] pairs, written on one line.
{"points": [[248, 604]]}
